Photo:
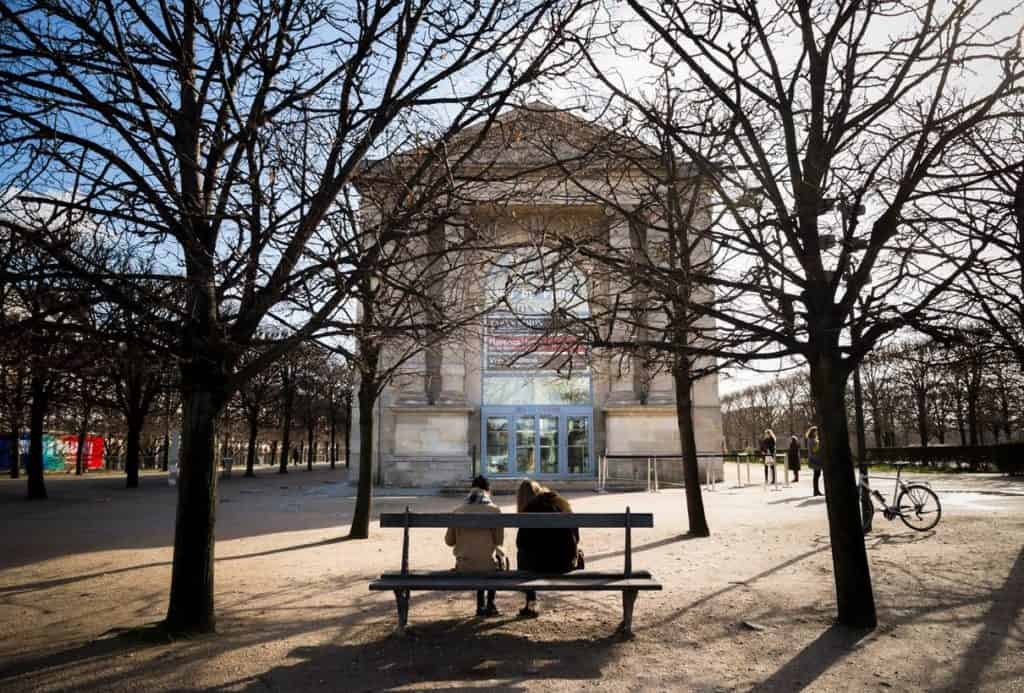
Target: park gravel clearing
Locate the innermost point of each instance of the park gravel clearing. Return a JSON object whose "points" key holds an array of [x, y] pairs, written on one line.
{"points": [[82, 574]]}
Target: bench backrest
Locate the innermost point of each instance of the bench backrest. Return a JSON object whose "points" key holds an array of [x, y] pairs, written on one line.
{"points": [[627, 520], [517, 520]]}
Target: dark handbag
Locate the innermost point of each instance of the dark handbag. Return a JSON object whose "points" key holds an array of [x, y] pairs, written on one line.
{"points": [[579, 563]]}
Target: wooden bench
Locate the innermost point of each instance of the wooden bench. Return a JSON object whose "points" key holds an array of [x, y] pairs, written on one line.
{"points": [[629, 582]]}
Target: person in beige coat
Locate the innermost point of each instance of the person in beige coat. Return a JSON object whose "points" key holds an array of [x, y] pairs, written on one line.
{"points": [[478, 550]]}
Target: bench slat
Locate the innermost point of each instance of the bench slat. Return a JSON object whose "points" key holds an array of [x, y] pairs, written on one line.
{"points": [[549, 583], [514, 574], [517, 520]]}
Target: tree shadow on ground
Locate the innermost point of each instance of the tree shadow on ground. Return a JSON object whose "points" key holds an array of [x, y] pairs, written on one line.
{"points": [[355, 650], [640, 548], [997, 626], [71, 579], [441, 652], [248, 507], [814, 660]]}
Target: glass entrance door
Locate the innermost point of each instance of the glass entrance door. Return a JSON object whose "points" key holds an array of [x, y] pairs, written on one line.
{"points": [[530, 441]]}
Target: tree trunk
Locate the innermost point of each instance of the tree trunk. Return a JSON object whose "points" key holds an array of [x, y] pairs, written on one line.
{"points": [[250, 456], [364, 495], [858, 413], [309, 448], [854, 596], [367, 398], [273, 451], [15, 451], [191, 608], [691, 471], [334, 433], [348, 430], [83, 431], [286, 429], [37, 416], [972, 417], [131, 465], [166, 452], [876, 426], [922, 417]]}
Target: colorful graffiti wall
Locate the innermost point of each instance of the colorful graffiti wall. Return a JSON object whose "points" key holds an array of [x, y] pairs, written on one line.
{"points": [[59, 452]]}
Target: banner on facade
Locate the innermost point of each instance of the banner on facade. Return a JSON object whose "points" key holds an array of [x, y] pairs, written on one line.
{"points": [[528, 343]]}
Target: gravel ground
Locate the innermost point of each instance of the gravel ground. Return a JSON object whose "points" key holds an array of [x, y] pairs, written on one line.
{"points": [[751, 608]]}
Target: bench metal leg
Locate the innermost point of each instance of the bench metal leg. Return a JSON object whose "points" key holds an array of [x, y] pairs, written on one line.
{"points": [[402, 601], [628, 600]]}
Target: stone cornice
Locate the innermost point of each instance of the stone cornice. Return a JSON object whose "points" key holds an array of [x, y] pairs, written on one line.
{"points": [[432, 408], [648, 409]]}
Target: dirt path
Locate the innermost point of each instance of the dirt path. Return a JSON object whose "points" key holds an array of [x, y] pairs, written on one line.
{"points": [[77, 573]]}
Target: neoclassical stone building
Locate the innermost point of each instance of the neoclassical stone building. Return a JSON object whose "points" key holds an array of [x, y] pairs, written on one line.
{"points": [[485, 403]]}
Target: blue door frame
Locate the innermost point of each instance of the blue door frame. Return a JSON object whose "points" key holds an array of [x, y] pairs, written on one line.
{"points": [[513, 413]]}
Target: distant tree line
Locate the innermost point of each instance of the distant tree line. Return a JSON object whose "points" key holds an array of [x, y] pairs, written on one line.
{"points": [[914, 393], [75, 364]]}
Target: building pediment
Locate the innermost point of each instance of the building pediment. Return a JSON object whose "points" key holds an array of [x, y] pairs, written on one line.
{"points": [[535, 139]]}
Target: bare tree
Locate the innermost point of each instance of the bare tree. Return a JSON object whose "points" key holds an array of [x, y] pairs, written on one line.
{"points": [[170, 135], [837, 171]]}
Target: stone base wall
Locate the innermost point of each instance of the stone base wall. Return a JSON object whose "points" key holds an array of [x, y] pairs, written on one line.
{"points": [[635, 429], [653, 428], [425, 472]]}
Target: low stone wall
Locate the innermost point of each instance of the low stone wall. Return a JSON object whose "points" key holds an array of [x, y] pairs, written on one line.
{"points": [[425, 472]]}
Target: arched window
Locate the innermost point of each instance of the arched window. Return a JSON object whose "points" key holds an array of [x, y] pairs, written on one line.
{"points": [[530, 357]]}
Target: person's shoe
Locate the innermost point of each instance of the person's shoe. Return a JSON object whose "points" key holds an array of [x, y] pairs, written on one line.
{"points": [[481, 612], [529, 611], [491, 610]]}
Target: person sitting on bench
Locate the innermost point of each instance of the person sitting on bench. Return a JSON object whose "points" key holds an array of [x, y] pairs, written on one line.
{"points": [[544, 550], [478, 550]]}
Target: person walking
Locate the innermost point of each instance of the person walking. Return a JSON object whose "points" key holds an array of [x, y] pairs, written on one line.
{"points": [[768, 454], [814, 456], [793, 457], [544, 550], [478, 550]]}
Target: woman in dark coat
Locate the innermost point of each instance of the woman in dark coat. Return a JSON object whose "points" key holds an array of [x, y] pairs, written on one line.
{"points": [[768, 454], [793, 457], [814, 455], [544, 550]]}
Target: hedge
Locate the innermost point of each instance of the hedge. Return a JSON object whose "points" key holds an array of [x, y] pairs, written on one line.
{"points": [[1007, 458]]}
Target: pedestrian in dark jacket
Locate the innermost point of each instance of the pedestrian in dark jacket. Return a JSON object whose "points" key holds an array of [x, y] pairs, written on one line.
{"points": [[814, 456], [544, 550], [768, 453], [793, 457]]}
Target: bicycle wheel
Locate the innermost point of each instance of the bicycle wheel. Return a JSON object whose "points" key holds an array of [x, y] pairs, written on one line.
{"points": [[919, 507]]}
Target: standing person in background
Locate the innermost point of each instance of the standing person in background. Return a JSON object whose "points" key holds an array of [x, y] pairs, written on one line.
{"points": [[814, 456], [544, 550], [768, 453], [793, 457], [478, 550]]}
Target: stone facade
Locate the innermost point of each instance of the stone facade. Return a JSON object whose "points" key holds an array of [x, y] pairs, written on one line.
{"points": [[430, 421]]}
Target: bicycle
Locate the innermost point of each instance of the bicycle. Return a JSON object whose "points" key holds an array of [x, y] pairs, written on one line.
{"points": [[915, 503]]}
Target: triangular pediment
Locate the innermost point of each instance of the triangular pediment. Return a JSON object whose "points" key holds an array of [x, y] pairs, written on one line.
{"points": [[534, 137]]}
